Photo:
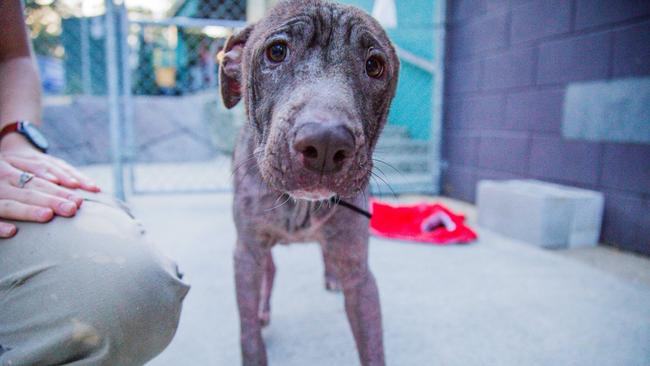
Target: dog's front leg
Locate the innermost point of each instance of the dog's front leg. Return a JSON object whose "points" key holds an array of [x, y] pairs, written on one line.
{"points": [[332, 282], [264, 312], [349, 253], [249, 270]]}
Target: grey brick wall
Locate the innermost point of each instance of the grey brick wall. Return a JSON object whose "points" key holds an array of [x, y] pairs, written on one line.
{"points": [[508, 64]]}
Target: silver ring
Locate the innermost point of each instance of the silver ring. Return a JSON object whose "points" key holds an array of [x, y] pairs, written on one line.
{"points": [[24, 179]]}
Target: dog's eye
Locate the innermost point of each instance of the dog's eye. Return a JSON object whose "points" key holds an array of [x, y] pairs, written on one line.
{"points": [[277, 52], [374, 67]]}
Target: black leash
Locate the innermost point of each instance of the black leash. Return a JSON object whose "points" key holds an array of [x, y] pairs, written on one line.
{"points": [[352, 207]]}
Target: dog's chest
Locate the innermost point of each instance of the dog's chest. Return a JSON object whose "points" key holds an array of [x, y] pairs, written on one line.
{"points": [[298, 222]]}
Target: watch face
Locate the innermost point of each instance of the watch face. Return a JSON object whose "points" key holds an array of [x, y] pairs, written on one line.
{"points": [[35, 136]]}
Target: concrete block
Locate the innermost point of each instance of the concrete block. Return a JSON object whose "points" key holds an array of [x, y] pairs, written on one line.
{"points": [[574, 59], [591, 13], [615, 110], [459, 182], [481, 34], [538, 19], [509, 69], [476, 113], [626, 167], [632, 51], [626, 223], [535, 110], [463, 77], [555, 158], [486, 174], [496, 5], [464, 9], [504, 151], [461, 148], [543, 214]]}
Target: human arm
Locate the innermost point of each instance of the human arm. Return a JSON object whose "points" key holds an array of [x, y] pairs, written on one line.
{"points": [[20, 99]]}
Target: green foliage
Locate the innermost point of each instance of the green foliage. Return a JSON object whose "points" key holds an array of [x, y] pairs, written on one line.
{"points": [[44, 23]]}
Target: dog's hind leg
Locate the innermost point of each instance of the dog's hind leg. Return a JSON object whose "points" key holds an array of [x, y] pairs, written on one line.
{"points": [[332, 282], [264, 312], [249, 271]]}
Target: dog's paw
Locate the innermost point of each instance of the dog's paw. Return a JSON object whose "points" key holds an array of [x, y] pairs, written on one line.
{"points": [[264, 318]]}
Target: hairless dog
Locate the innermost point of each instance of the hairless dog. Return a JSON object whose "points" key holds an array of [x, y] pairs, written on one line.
{"points": [[317, 79]]}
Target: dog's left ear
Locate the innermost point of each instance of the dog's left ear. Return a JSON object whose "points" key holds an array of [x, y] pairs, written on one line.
{"points": [[230, 67]]}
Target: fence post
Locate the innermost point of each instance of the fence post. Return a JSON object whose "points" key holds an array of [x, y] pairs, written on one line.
{"points": [[113, 105], [127, 92], [85, 56], [435, 147]]}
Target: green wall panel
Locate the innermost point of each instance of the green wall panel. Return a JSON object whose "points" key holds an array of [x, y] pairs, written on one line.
{"points": [[414, 33]]}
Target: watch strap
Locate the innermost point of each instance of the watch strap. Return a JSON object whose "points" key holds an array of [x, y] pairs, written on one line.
{"points": [[27, 130], [10, 128]]}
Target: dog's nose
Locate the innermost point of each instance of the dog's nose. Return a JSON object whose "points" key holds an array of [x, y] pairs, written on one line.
{"points": [[324, 148]]}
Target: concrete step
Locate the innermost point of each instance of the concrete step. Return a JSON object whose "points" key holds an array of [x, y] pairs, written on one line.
{"points": [[395, 130], [401, 184], [401, 162], [401, 144]]}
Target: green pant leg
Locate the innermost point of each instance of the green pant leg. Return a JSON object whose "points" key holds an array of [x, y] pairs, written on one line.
{"points": [[88, 290]]}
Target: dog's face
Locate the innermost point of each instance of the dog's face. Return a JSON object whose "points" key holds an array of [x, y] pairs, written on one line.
{"points": [[317, 79]]}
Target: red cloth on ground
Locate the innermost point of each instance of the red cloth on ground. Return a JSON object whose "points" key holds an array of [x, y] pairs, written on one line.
{"points": [[423, 222]]}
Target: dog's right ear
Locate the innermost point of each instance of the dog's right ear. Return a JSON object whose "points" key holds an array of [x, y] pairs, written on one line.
{"points": [[230, 59]]}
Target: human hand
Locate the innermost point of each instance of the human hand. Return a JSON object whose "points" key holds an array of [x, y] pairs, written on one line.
{"points": [[27, 158], [37, 201]]}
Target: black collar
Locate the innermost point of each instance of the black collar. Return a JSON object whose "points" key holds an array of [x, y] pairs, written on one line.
{"points": [[348, 205]]}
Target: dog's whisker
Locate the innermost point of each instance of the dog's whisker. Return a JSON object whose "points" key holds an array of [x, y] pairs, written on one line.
{"points": [[280, 205], [381, 171], [249, 171], [278, 199], [386, 183], [243, 163], [378, 184], [389, 165], [374, 181], [285, 202]]}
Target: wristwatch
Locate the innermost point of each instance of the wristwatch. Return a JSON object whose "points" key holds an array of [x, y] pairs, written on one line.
{"points": [[30, 131]]}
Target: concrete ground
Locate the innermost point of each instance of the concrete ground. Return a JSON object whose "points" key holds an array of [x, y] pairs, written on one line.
{"points": [[495, 302]]}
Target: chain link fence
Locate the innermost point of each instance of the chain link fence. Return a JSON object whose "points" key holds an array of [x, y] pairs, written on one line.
{"points": [[70, 50], [136, 92], [182, 137]]}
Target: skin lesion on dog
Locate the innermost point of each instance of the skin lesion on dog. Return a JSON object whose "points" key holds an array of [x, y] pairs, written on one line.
{"points": [[317, 79]]}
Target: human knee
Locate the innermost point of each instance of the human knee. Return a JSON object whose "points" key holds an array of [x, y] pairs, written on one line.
{"points": [[129, 296], [144, 299], [101, 291]]}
